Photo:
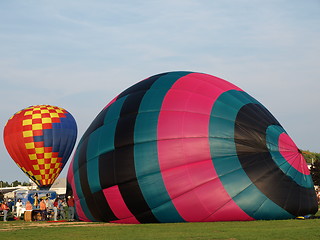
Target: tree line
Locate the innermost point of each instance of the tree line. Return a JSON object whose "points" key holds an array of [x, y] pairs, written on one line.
{"points": [[13, 184], [310, 157], [313, 159]]}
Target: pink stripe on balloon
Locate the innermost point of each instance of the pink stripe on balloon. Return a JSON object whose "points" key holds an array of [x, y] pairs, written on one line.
{"points": [[184, 152], [290, 152], [117, 205], [131, 220], [112, 101], [224, 213], [78, 206], [79, 210], [70, 172]]}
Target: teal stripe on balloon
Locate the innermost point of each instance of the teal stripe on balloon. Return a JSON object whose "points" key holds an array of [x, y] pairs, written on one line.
{"points": [[146, 152], [273, 134], [78, 188], [93, 162], [114, 110], [94, 150], [224, 157], [93, 177]]}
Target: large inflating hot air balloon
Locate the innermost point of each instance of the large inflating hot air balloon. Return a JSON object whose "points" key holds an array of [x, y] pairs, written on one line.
{"points": [[40, 140], [188, 147]]}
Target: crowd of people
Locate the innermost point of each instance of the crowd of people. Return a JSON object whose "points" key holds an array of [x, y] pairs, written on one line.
{"points": [[45, 208]]}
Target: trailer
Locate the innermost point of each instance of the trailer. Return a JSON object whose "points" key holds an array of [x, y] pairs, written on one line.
{"points": [[29, 195]]}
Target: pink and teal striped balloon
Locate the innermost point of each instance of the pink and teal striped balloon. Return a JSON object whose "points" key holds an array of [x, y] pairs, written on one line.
{"points": [[188, 147]]}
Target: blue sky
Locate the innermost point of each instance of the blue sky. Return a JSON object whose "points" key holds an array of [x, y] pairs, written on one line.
{"points": [[79, 54]]}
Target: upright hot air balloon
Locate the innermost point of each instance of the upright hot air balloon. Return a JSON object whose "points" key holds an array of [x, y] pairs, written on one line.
{"points": [[40, 140], [188, 147]]}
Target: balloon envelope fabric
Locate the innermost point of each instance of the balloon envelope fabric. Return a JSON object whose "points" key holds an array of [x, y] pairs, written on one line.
{"points": [[188, 147], [40, 140]]}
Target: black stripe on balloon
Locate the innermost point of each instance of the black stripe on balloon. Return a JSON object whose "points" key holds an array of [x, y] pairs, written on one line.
{"points": [[107, 160], [125, 173], [141, 86], [96, 202], [251, 124], [69, 189], [97, 122], [106, 170]]}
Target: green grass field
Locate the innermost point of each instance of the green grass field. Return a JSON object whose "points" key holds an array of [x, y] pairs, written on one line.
{"points": [[280, 229]]}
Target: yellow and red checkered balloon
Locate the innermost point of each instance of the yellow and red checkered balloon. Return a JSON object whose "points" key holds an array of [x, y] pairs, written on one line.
{"points": [[40, 139]]}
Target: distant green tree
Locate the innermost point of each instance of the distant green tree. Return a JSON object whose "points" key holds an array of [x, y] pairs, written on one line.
{"points": [[4, 184], [15, 183], [26, 184], [313, 159], [310, 157], [315, 172]]}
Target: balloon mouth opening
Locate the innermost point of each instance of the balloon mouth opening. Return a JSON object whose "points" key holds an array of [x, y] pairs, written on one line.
{"points": [[44, 187]]}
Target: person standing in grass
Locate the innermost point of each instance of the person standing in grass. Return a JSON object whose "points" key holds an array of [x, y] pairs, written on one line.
{"points": [[55, 209], [71, 208], [63, 208], [11, 205], [19, 208], [5, 209], [49, 205], [43, 209], [28, 212]]}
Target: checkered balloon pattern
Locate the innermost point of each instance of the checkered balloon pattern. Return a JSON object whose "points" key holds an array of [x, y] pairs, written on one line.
{"points": [[40, 140]]}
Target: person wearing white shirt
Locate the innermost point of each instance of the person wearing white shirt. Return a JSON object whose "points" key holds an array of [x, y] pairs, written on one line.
{"points": [[18, 208]]}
